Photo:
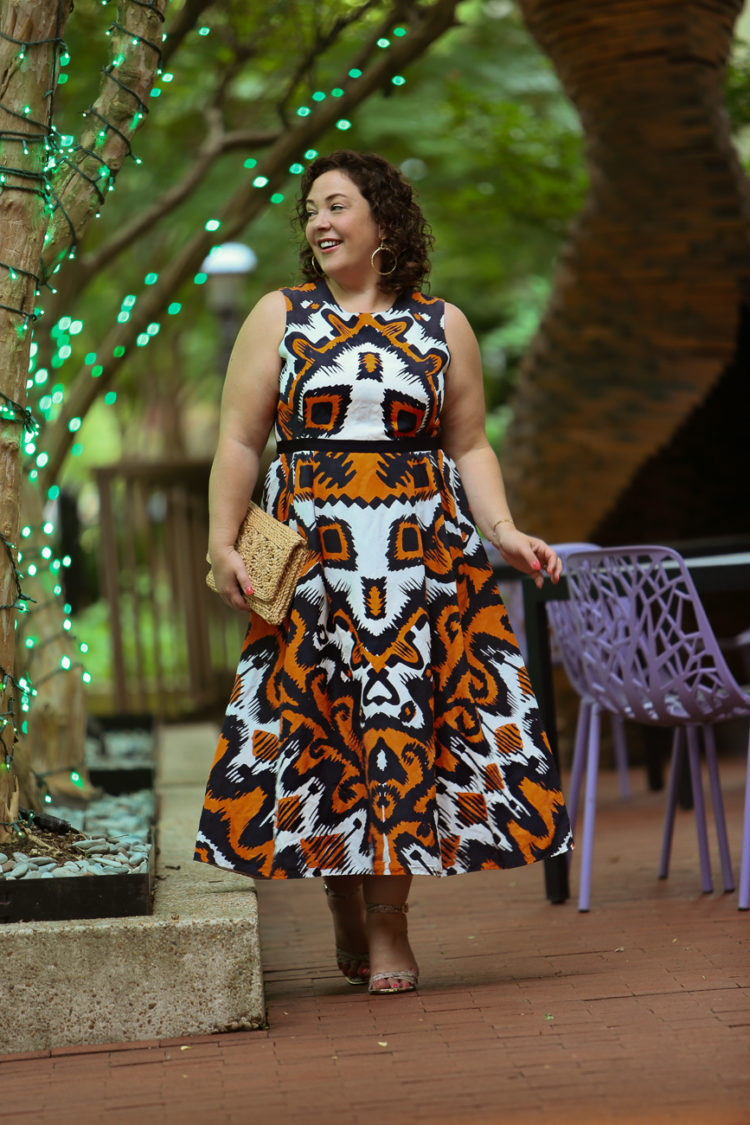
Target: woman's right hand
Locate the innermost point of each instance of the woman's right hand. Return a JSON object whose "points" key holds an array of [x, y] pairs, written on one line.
{"points": [[231, 578]]}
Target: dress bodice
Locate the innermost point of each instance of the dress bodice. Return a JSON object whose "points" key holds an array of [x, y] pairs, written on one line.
{"points": [[360, 376]]}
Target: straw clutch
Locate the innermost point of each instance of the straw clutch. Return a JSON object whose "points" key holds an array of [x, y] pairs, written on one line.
{"points": [[274, 556]]}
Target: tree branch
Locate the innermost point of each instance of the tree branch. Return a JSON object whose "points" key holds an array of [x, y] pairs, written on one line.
{"points": [[322, 43], [182, 25], [89, 265], [78, 184]]}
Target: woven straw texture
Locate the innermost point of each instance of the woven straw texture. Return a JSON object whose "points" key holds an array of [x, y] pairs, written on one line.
{"points": [[274, 556]]}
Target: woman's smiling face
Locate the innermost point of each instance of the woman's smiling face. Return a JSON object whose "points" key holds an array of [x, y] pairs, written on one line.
{"points": [[340, 228]]}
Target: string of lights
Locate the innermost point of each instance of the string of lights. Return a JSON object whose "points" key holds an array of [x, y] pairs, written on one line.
{"points": [[137, 38], [14, 689]]}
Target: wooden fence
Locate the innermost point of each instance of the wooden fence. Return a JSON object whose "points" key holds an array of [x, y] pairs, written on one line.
{"points": [[174, 645]]}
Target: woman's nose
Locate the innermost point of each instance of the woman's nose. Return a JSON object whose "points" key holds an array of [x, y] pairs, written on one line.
{"points": [[319, 222]]}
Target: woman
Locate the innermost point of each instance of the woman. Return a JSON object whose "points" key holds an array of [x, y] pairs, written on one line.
{"points": [[388, 727]]}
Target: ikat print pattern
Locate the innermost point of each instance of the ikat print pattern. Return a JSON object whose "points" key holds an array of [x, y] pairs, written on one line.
{"points": [[388, 726]]}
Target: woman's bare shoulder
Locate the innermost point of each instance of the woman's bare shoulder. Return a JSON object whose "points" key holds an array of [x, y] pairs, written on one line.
{"points": [[456, 320], [266, 319]]}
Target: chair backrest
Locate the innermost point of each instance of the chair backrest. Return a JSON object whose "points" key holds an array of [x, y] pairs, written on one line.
{"points": [[560, 617], [647, 648]]}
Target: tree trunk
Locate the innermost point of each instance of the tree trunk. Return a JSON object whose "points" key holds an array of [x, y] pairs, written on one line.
{"points": [[28, 77], [646, 307], [53, 739], [26, 80]]}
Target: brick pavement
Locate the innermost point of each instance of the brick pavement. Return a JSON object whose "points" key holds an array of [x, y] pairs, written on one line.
{"points": [[636, 1012]]}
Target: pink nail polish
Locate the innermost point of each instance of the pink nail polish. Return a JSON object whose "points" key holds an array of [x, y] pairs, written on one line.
{"points": [[248, 590], [536, 564]]}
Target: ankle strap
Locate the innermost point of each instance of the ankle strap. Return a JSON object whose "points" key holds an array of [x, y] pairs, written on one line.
{"points": [[386, 908]]}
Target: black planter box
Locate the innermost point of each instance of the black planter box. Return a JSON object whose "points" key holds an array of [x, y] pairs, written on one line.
{"points": [[78, 896], [113, 771]]}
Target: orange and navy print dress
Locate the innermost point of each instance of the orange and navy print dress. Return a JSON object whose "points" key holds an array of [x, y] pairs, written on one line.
{"points": [[388, 725]]}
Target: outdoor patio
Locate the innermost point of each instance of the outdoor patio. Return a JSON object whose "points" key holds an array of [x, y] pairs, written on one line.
{"points": [[636, 1012]]}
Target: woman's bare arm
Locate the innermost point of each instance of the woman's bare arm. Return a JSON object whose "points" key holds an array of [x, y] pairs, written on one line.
{"points": [[465, 440], [248, 405]]}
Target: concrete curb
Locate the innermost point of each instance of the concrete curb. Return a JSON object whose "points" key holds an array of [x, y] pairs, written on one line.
{"points": [[192, 967]]}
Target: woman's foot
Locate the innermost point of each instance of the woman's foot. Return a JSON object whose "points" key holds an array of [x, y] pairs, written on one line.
{"points": [[392, 964], [348, 910]]}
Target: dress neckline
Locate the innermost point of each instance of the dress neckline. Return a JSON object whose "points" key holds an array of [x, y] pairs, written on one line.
{"points": [[350, 312]]}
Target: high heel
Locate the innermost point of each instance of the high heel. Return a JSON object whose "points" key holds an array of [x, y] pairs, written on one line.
{"points": [[410, 977], [343, 956]]}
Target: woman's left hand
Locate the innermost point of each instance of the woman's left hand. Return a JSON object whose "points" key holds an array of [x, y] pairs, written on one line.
{"points": [[528, 554]]}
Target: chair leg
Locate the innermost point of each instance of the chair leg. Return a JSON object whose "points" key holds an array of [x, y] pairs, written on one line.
{"points": [[579, 760], [589, 811], [675, 769], [718, 806], [621, 755], [744, 898], [700, 808]]}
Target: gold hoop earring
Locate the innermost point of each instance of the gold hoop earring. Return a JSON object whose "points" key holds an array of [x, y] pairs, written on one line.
{"points": [[387, 250], [315, 266]]}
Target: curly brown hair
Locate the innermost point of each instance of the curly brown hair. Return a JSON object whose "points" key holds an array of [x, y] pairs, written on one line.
{"points": [[394, 209]]}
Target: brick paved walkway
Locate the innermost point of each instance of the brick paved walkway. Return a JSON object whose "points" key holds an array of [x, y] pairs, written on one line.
{"points": [[636, 1012]]}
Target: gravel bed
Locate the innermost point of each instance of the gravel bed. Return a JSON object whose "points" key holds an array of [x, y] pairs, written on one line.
{"points": [[112, 837]]}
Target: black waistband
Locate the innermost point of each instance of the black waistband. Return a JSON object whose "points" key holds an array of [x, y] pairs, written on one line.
{"points": [[331, 445]]}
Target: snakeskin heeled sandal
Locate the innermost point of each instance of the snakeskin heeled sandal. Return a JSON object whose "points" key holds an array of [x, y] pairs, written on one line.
{"points": [[343, 957], [409, 977]]}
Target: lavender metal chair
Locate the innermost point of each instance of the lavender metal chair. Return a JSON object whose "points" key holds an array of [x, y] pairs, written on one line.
{"points": [[741, 645], [649, 654], [560, 617]]}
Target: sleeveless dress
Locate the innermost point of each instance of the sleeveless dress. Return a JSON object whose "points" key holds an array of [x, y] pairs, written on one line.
{"points": [[388, 726]]}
